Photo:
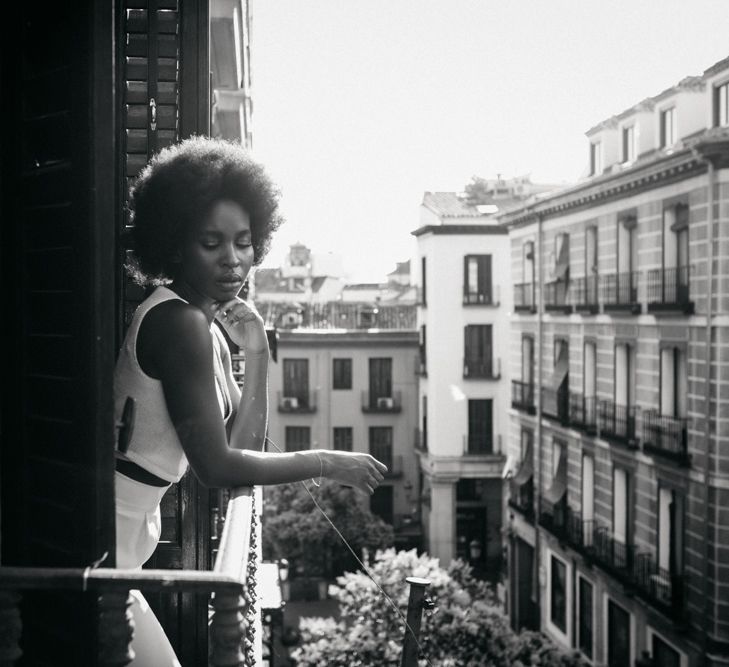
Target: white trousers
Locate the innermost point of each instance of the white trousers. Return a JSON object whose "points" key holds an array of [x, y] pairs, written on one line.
{"points": [[137, 534]]}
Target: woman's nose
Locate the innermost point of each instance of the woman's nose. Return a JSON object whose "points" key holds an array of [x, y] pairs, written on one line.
{"points": [[230, 257]]}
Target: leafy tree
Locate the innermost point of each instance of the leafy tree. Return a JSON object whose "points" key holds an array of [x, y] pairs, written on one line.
{"points": [[465, 628], [293, 528]]}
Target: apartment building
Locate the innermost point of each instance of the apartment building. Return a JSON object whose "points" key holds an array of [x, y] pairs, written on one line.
{"points": [[617, 521], [353, 389], [464, 302]]}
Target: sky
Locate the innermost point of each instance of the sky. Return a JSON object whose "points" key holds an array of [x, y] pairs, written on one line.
{"points": [[361, 106]]}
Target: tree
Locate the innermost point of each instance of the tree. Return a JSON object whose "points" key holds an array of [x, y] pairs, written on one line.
{"points": [[466, 627], [293, 528]]}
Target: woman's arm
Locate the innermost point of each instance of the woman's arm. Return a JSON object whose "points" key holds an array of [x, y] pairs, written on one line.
{"points": [[176, 342]]}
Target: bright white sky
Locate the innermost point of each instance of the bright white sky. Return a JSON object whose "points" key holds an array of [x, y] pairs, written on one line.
{"points": [[360, 106]]}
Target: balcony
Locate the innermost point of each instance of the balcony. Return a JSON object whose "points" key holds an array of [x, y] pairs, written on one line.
{"points": [[300, 404], [481, 369], [485, 298], [524, 301], [666, 591], [612, 554], [522, 396], [583, 413], [617, 423], [620, 293], [371, 403], [585, 294], [668, 291], [555, 403], [557, 297], [232, 634], [478, 444], [666, 436], [553, 516]]}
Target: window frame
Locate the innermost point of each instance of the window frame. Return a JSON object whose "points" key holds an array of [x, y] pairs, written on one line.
{"points": [[628, 147], [473, 294], [290, 428], [596, 166], [721, 95], [578, 629], [339, 430], [553, 627], [663, 126], [346, 374]]}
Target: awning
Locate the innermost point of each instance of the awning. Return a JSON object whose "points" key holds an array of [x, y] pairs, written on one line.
{"points": [[526, 470], [556, 492], [562, 263], [561, 368]]}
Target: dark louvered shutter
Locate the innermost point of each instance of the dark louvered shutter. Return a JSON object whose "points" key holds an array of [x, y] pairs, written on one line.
{"points": [[58, 233]]}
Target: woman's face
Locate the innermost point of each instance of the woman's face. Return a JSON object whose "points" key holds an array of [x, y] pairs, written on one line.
{"points": [[217, 255]]}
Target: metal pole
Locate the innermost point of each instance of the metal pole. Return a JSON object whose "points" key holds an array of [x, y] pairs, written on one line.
{"points": [[412, 632]]}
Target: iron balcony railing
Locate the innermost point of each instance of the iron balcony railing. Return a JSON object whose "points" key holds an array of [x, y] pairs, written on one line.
{"points": [[553, 516], [666, 436], [521, 497], [297, 402], [663, 589], [585, 293], [483, 298], [668, 289], [583, 412], [617, 423], [557, 296], [522, 396], [555, 403], [233, 632], [620, 291], [612, 554], [484, 369], [524, 297], [371, 402]]}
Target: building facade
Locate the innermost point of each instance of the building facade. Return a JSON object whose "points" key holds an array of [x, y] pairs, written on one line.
{"points": [[463, 392], [355, 390], [617, 520]]}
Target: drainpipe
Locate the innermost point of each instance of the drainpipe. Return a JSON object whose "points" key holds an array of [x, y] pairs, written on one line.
{"points": [[538, 398], [708, 555]]}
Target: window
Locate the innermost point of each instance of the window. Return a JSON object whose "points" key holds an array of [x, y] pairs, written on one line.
{"points": [[588, 494], [477, 279], [584, 625], [674, 382], [341, 373], [620, 505], [629, 143], [423, 275], [480, 426], [624, 375], [298, 438], [422, 350], [670, 531], [721, 105], [675, 253], [595, 158], [558, 594], [528, 262], [589, 375], [296, 380], [627, 247], [664, 654], [668, 127], [343, 438], [618, 636], [562, 256], [381, 444], [527, 360], [477, 344], [380, 379], [425, 423]]}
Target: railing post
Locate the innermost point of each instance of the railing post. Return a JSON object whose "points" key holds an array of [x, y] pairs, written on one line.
{"points": [[116, 628], [412, 632], [228, 630], [11, 628]]}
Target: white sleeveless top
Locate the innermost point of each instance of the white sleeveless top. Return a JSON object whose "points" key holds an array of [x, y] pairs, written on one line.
{"points": [[154, 444]]}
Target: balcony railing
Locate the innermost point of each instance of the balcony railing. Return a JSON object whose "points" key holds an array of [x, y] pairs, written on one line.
{"points": [[583, 413], [665, 590], [617, 423], [476, 298], [668, 290], [553, 516], [234, 627], [585, 294], [522, 396], [373, 403], [555, 403], [613, 554], [620, 292], [483, 369], [521, 497], [557, 296], [301, 403], [665, 436], [524, 298]]}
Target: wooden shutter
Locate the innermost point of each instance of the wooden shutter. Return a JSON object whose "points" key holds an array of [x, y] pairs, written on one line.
{"points": [[380, 379], [57, 208]]}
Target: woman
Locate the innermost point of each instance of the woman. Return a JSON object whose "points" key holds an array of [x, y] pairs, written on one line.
{"points": [[203, 214]]}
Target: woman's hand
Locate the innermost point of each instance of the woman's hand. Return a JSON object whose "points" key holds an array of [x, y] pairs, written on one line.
{"points": [[361, 471], [243, 324]]}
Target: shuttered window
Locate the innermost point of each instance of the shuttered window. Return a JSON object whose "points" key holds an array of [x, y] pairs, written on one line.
{"points": [[477, 279], [480, 426], [298, 438]]}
